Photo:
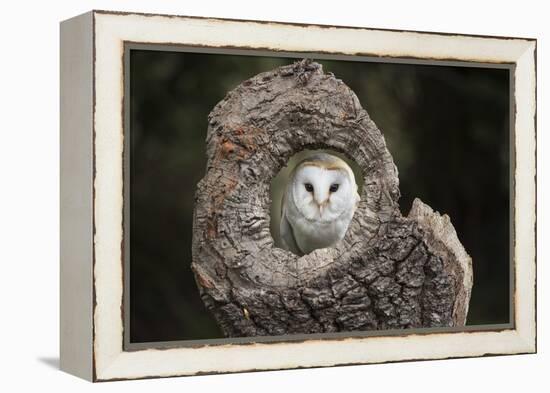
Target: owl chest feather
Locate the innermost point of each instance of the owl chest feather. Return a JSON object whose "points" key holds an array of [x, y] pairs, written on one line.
{"points": [[311, 235]]}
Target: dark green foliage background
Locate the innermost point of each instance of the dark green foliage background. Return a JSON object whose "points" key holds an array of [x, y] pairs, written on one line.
{"points": [[446, 127]]}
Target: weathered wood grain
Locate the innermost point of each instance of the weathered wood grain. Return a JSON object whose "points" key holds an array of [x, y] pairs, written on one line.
{"points": [[390, 271]]}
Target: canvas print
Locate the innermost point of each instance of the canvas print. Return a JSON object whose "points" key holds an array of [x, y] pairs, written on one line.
{"points": [[282, 196]]}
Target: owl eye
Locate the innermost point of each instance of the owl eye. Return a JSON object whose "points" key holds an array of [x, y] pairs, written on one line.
{"points": [[309, 187], [334, 187]]}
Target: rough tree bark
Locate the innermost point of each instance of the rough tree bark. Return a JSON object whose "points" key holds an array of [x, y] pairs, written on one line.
{"points": [[390, 271]]}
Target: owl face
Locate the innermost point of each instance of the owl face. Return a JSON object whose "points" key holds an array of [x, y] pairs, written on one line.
{"points": [[323, 193]]}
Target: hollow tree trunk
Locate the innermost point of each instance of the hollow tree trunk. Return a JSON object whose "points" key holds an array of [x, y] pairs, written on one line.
{"points": [[390, 271]]}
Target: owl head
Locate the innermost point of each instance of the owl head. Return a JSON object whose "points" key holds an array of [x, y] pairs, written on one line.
{"points": [[323, 188]]}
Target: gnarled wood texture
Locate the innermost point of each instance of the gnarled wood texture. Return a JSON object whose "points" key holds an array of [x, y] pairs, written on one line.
{"points": [[390, 271]]}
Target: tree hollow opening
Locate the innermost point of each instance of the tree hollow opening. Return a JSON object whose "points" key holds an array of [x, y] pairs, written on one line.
{"points": [[280, 180]]}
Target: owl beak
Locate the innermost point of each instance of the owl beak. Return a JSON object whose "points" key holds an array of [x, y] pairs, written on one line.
{"points": [[322, 206]]}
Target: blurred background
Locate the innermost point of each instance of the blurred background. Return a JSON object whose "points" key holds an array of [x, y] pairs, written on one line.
{"points": [[446, 127]]}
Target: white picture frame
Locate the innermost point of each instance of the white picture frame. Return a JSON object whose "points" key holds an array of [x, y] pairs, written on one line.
{"points": [[92, 195]]}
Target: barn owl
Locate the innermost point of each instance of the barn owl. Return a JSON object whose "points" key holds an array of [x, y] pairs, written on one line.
{"points": [[318, 204]]}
